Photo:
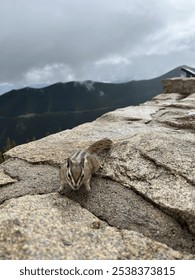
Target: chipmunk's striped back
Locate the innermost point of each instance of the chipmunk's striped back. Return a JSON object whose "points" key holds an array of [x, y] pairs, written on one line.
{"points": [[79, 168], [78, 156]]}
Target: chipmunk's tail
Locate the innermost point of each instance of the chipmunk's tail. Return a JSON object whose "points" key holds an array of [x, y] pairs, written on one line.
{"points": [[100, 146]]}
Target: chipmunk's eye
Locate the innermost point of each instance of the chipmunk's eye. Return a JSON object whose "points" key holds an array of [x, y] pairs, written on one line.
{"points": [[82, 176], [69, 176]]}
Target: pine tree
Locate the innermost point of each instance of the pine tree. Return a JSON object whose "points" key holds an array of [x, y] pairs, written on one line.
{"points": [[1, 157], [8, 145]]}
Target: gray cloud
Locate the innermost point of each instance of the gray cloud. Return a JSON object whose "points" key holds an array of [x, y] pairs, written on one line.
{"points": [[45, 41]]}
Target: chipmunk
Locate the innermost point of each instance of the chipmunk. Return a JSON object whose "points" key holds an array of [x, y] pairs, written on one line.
{"points": [[78, 169]]}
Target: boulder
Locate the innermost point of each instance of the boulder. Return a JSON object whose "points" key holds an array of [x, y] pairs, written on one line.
{"points": [[51, 226], [142, 200]]}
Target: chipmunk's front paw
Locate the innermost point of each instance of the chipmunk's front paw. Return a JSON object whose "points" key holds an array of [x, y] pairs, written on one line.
{"points": [[88, 188], [61, 190]]}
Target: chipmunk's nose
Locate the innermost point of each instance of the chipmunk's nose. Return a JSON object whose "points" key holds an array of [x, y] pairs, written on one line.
{"points": [[76, 187]]}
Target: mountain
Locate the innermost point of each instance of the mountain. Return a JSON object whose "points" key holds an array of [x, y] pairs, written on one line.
{"points": [[6, 87], [33, 113]]}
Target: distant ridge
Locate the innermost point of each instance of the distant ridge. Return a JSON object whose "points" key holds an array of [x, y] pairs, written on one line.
{"points": [[33, 113], [6, 87]]}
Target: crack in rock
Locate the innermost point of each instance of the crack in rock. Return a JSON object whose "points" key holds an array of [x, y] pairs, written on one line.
{"points": [[6, 178], [123, 208]]}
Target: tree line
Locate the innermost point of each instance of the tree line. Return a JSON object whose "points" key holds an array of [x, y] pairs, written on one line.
{"points": [[9, 144]]}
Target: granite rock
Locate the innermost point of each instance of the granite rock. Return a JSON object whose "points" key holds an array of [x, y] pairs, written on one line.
{"points": [[51, 226], [142, 200]]}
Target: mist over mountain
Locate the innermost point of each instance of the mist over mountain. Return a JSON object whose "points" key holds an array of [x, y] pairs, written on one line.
{"points": [[33, 113]]}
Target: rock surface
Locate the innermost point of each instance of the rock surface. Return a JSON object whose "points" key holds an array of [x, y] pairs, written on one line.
{"points": [[142, 202]]}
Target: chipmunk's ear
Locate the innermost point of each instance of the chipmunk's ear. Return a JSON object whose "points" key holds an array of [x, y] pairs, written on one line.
{"points": [[68, 162]]}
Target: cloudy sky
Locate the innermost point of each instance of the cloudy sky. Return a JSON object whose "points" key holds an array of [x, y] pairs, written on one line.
{"points": [[46, 41]]}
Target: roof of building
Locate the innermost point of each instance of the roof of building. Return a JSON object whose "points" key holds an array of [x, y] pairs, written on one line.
{"points": [[188, 71]]}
